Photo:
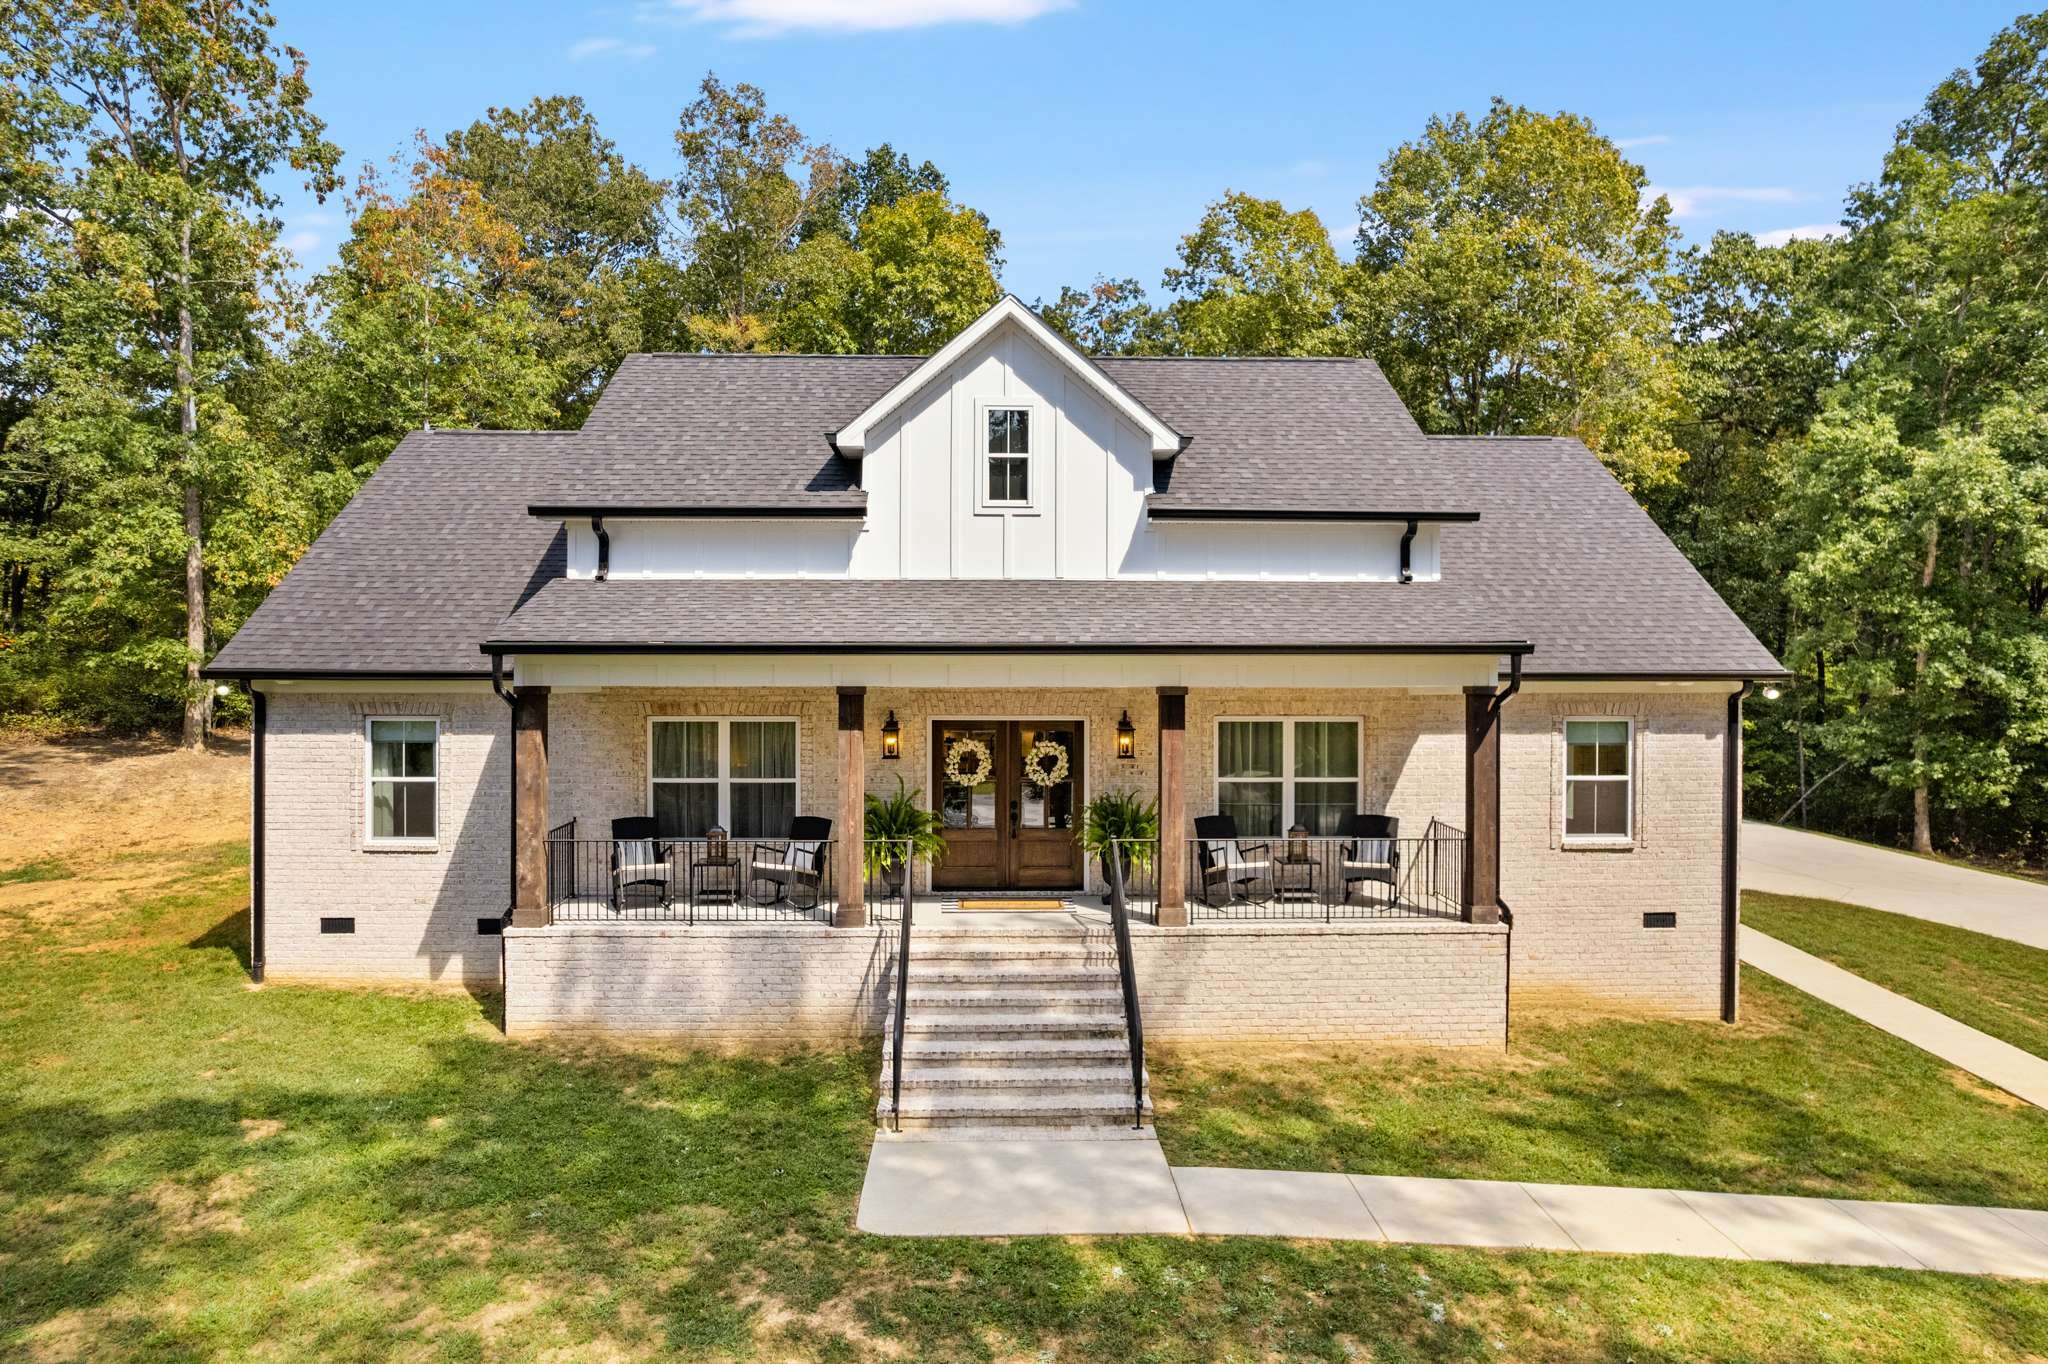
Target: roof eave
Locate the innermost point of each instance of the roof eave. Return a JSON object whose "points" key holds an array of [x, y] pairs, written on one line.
{"points": [[1512, 648], [561, 511], [1186, 513]]}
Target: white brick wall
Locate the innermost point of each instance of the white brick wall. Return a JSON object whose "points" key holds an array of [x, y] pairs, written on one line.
{"points": [[1432, 984], [415, 912], [1578, 913]]}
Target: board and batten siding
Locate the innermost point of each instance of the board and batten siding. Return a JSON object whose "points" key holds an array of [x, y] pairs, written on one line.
{"points": [[1091, 474]]}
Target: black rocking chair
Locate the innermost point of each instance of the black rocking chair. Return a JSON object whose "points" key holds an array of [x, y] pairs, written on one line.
{"points": [[639, 859], [1371, 855], [1235, 869], [796, 868]]}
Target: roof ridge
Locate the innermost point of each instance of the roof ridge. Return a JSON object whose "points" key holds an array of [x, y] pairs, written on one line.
{"points": [[770, 355]]}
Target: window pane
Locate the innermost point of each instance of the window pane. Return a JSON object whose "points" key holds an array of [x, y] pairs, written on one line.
{"points": [[1596, 809], [401, 748], [998, 430], [1020, 430], [686, 748], [763, 748], [1614, 754], [1248, 748], [967, 805], [763, 809], [1047, 807], [1020, 480], [402, 809], [1255, 805], [1321, 807], [1578, 808], [1325, 748], [1009, 479], [685, 809]]}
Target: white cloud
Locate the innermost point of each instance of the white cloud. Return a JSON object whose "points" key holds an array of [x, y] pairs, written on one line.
{"points": [[1686, 200], [1647, 140], [585, 49], [1779, 236], [302, 241], [768, 18]]}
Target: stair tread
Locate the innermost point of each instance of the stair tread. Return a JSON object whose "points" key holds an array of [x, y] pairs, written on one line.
{"points": [[1101, 1074], [984, 1105]]}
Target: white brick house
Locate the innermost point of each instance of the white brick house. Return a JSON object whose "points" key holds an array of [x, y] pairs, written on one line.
{"points": [[754, 588]]}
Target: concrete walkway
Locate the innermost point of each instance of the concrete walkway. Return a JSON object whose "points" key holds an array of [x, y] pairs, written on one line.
{"points": [[1984, 1056], [1793, 862], [1033, 1188]]}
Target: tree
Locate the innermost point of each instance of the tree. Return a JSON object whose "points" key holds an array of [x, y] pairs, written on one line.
{"points": [[880, 179], [1255, 278], [1110, 317], [916, 273], [1505, 279], [166, 120], [750, 180], [589, 226]]}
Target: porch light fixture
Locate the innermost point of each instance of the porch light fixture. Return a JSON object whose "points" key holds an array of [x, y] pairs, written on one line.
{"points": [[892, 738], [1126, 737], [1772, 693]]}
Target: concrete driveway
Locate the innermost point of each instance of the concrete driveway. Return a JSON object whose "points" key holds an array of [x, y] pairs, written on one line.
{"points": [[1792, 862]]}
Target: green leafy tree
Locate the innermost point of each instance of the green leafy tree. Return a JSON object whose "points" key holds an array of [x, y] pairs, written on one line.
{"points": [[1109, 317], [915, 275], [1255, 278], [1504, 281], [143, 138]]}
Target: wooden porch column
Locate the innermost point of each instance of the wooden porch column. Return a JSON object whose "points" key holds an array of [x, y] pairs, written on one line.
{"points": [[530, 808], [1482, 806], [1173, 806], [849, 825]]}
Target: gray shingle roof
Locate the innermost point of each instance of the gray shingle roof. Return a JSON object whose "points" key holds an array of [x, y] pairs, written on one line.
{"points": [[427, 558], [437, 549], [802, 614]]}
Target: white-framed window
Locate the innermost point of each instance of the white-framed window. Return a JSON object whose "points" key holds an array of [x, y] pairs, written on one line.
{"points": [[739, 774], [1272, 772], [403, 763], [1599, 780], [1004, 436]]}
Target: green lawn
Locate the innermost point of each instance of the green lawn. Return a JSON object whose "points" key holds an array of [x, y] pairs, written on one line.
{"points": [[1994, 985], [192, 1169]]}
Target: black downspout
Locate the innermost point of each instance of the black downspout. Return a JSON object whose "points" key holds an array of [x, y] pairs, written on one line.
{"points": [[1731, 828], [1407, 544], [604, 548], [259, 708], [510, 696]]}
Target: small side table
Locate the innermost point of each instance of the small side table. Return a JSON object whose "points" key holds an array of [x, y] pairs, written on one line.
{"points": [[714, 880], [1294, 878]]}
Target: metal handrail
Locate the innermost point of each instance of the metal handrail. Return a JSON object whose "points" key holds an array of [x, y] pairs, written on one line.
{"points": [[1127, 977], [902, 990]]}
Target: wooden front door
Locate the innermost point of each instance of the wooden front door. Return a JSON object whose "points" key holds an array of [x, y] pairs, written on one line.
{"points": [[1012, 819]]}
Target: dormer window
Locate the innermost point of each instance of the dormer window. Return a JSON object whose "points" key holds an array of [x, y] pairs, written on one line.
{"points": [[1006, 480]]}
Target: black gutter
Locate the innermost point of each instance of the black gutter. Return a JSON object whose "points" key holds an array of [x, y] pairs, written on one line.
{"points": [[1744, 677], [259, 722], [1512, 648], [1300, 514], [1407, 549], [672, 511], [604, 548], [1731, 829]]}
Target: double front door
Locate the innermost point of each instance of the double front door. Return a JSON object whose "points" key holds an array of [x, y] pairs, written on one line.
{"points": [[1010, 797]]}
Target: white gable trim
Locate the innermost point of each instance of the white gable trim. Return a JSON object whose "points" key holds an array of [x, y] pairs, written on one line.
{"points": [[852, 439]]}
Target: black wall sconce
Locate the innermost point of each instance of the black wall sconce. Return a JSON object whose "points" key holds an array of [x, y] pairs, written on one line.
{"points": [[1126, 737], [892, 738]]}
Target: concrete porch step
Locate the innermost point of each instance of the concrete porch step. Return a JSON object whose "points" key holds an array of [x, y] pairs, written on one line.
{"points": [[947, 972], [1044, 1078], [1106, 1107], [1012, 1051], [989, 1023], [1045, 949], [1014, 994]]}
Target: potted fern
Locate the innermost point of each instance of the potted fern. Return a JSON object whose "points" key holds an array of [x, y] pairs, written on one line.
{"points": [[1119, 822], [897, 829]]}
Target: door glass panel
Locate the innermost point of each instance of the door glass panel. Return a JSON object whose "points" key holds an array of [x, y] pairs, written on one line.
{"points": [[968, 789], [1043, 750]]}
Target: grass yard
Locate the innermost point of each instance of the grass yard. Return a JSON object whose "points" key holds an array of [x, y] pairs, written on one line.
{"points": [[194, 1169], [1994, 985]]}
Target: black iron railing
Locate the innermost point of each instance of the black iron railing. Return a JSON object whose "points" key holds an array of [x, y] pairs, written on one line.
{"points": [[1329, 879], [893, 865], [1139, 869], [1126, 970], [559, 887], [690, 880]]}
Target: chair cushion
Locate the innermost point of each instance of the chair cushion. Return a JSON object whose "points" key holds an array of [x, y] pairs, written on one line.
{"points": [[1369, 849], [638, 851], [1240, 866], [645, 871], [763, 863]]}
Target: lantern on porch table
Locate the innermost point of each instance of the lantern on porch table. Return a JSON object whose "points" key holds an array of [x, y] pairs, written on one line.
{"points": [[714, 844], [1297, 843], [1126, 737], [892, 739]]}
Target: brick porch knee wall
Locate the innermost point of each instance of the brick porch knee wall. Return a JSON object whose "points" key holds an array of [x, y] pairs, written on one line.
{"points": [[415, 912]]}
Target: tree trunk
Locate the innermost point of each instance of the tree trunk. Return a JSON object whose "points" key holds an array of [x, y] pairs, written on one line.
{"points": [[1923, 824], [198, 700]]}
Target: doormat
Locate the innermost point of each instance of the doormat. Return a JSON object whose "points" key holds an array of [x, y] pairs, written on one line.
{"points": [[969, 905]]}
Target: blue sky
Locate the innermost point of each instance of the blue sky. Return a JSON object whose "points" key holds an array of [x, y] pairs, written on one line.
{"points": [[1093, 132]]}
